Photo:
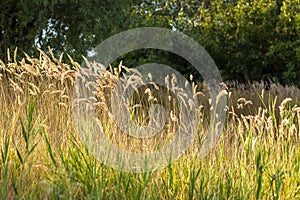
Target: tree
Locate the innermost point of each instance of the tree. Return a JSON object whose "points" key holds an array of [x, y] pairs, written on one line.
{"points": [[249, 40], [69, 26]]}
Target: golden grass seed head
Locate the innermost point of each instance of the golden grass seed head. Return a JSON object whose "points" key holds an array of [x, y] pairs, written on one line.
{"points": [[221, 95], [283, 105], [191, 77], [241, 100], [150, 76], [284, 102]]}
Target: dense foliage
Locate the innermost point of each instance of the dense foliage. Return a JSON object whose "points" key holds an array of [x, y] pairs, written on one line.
{"points": [[69, 26], [249, 40]]}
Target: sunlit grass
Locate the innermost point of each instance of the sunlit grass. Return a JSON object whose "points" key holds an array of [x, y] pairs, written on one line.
{"points": [[42, 155]]}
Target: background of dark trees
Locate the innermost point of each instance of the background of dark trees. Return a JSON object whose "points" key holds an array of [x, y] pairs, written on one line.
{"points": [[248, 39]]}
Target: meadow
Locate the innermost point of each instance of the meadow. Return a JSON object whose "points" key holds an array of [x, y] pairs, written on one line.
{"points": [[43, 157]]}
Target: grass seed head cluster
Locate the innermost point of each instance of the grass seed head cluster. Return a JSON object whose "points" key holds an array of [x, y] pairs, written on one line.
{"points": [[42, 155]]}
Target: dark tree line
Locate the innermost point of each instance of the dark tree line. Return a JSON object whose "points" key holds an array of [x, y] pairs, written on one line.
{"points": [[249, 40]]}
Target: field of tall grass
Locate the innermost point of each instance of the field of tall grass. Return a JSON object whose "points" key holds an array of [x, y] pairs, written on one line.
{"points": [[43, 157]]}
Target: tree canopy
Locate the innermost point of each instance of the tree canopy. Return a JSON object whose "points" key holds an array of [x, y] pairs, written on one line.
{"points": [[69, 26], [248, 39]]}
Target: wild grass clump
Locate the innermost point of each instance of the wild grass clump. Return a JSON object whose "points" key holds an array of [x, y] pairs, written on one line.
{"points": [[42, 155]]}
